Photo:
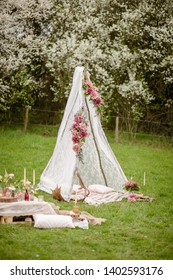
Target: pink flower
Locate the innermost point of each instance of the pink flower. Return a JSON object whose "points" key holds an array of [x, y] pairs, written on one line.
{"points": [[88, 90], [131, 184], [20, 194], [89, 83], [78, 119], [82, 126], [94, 94], [76, 147], [132, 198], [75, 139], [83, 134], [75, 125], [95, 88], [92, 90], [128, 184], [97, 101], [79, 132]]}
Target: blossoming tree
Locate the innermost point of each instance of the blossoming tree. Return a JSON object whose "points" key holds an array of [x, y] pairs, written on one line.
{"points": [[127, 44]]}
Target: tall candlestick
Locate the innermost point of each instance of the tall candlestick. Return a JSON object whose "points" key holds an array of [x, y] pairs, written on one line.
{"points": [[144, 178], [76, 197], [24, 179], [34, 177]]}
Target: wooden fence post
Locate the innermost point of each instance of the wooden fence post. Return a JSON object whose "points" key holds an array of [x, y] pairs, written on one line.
{"points": [[26, 118], [116, 129]]}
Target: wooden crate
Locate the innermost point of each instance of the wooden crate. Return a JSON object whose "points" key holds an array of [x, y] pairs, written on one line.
{"points": [[8, 199]]}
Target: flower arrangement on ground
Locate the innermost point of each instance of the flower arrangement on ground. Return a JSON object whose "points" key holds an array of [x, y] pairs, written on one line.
{"points": [[131, 185], [79, 133], [132, 197]]}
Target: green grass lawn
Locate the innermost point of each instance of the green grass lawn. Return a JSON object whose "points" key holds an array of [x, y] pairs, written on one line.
{"points": [[132, 231]]}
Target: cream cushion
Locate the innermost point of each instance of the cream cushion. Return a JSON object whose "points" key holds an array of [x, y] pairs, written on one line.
{"points": [[100, 189], [52, 221]]}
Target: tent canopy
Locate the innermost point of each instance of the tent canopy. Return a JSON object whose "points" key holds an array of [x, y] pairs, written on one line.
{"points": [[98, 165]]}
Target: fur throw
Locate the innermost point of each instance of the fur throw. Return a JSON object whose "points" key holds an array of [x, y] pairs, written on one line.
{"points": [[57, 194]]}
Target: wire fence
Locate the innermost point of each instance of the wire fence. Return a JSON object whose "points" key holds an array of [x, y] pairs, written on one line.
{"points": [[143, 126], [37, 117]]}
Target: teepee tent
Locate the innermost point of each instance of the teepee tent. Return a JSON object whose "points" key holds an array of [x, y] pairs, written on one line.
{"points": [[98, 165]]}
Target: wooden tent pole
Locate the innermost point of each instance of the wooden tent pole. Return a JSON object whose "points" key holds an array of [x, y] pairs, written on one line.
{"points": [[92, 130], [87, 192], [97, 149]]}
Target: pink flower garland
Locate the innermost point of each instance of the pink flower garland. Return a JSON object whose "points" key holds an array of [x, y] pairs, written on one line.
{"points": [[92, 91], [79, 132], [79, 126]]}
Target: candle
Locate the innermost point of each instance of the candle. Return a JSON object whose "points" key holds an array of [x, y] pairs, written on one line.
{"points": [[24, 180], [76, 197], [33, 177], [144, 178]]}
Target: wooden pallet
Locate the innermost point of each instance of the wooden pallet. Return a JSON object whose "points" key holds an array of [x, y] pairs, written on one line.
{"points": [[11, 220]]}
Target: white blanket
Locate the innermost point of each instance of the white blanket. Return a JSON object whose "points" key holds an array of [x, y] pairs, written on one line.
{"points": [[99, 194]]}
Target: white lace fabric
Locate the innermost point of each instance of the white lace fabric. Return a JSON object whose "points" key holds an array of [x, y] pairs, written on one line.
{"points": [[24, 208], [99, 165]]}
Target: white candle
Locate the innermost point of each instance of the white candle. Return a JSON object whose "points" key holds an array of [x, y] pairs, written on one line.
{"points": [[76, 198], [144, 178], [33, 177], [24, 181]]}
